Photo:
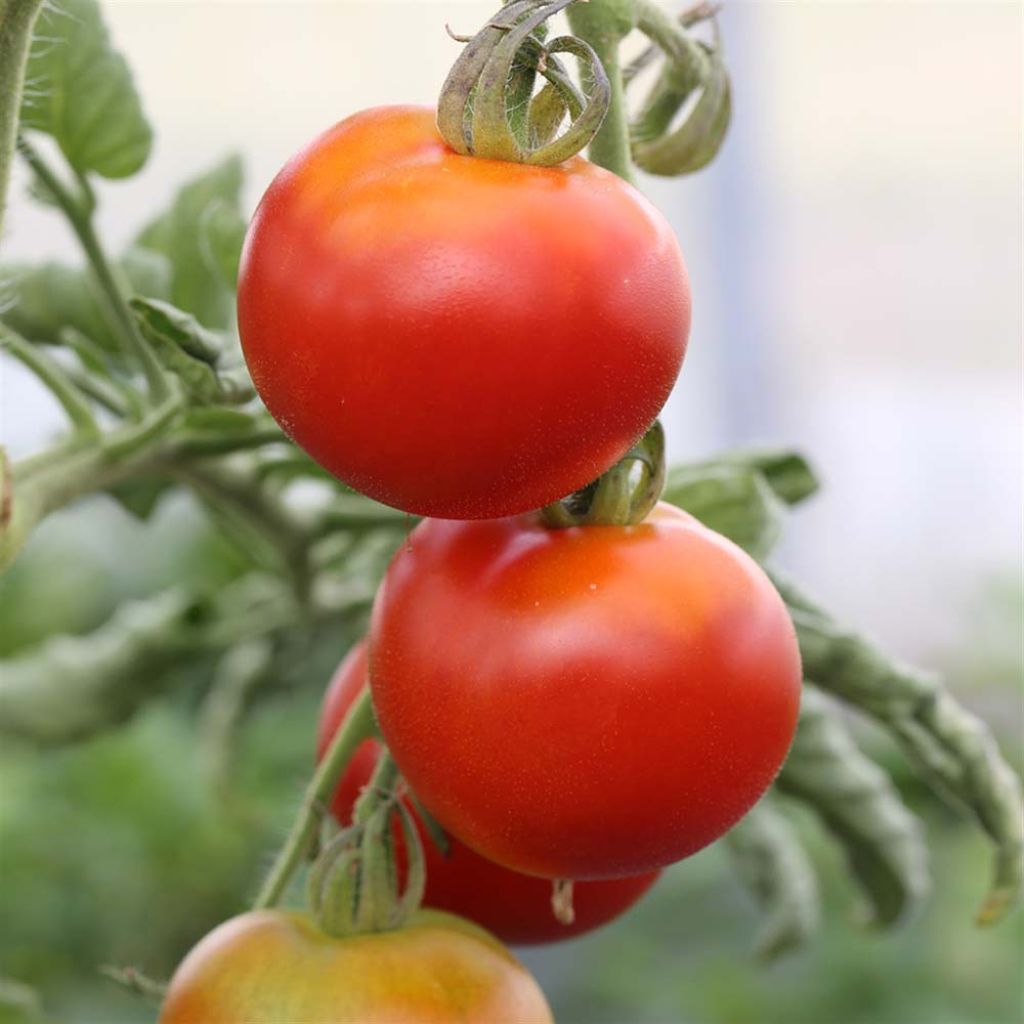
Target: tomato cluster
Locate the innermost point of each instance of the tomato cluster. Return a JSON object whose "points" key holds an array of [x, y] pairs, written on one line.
{"points": [[472, 340]]}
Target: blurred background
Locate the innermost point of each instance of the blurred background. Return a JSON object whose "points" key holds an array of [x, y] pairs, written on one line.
{"points": [[855, 255]]}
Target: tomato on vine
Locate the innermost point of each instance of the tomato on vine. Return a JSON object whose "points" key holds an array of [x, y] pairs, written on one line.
{"points": [[455, 336], [587, 702], [268, 967], [516, 908]]}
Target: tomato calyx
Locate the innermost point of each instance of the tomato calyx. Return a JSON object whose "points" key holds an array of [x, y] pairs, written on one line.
{"points": [[624, 495], [352, 887], [487, 106]]}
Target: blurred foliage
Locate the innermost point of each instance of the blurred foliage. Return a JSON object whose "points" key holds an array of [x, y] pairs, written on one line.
{"points": [[119, 851]]}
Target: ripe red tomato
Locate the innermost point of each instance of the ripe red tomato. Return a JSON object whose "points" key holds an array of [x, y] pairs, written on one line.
{"points": [[514, 907], [455, 336], [272, 967], [587, 702]]}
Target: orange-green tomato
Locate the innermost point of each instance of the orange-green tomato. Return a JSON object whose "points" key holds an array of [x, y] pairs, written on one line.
{"points": [[278, 967]]}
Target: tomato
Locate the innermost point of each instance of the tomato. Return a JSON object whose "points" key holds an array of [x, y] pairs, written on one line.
{"points": [[587, 702], [454, 336], [514, 907], [272, 967]]}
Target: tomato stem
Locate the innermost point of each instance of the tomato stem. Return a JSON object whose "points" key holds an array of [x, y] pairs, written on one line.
{"points": [[603, 24], [359, 724], [79, 209], [17, 18]]}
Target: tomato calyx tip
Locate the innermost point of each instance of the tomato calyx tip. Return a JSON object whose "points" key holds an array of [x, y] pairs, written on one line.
{"points": [[624, 495], [488, 108]]}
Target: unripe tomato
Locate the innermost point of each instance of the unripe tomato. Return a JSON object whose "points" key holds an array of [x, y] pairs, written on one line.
{"points": [[514, 907], [455, 336], [588, 702], [277, 967]]}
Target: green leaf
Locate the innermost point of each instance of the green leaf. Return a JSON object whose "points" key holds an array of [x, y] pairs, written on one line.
{"points": [[951, 747], [860, 806], [141, 495], [39, 302], [769, 858], [71, 688], [215, 418], [188, 350], [222, 233], [80, 91], [42, 302], [787, 473], [733, 500], [198, 235]]}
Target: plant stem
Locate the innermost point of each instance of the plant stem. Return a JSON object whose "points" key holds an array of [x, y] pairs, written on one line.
{"points": [[79, 215], [56, 379], [17, 18], [358, 726], [604, 24]]}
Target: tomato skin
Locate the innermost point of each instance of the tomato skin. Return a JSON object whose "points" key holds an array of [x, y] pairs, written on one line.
{"points": [[583, 703], [272, 966], [514, 907], [454, 336]]}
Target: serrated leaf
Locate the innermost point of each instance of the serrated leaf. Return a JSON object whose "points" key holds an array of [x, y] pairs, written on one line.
{"points": [[860, 806], [80, 90], [951, 747], [194, 236], [771, 861], [733, 500]]}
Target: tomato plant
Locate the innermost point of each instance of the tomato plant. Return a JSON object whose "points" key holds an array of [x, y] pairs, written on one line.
{"points": [[268, 967], [604, 701], [468, 327], [454, 336], [514, 907]]}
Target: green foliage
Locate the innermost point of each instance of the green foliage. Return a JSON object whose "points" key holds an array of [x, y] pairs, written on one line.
{"points": [[80, 91], [180, 724], [201, 237], [861, 808]]}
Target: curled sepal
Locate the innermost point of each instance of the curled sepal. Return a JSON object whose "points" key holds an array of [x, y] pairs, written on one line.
{"points": [[949, 745], [624, 495], [772, 863], [353, 885], [661, 142], [860, 806], [487, 108]]}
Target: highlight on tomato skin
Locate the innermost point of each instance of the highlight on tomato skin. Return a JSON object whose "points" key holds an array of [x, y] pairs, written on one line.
{"points": [[454, 336], [514, 907], [272, 966], [621, 696]]}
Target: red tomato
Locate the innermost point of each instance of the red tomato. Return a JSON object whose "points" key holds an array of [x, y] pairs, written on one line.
{"points": [[587, 702], [514, 907], [277, 967], [455, 336]]}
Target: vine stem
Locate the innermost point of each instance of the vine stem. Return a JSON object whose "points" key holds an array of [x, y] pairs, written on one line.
{"points": [[79, 215], [17, 19], [604, 24], [359, 725]]}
